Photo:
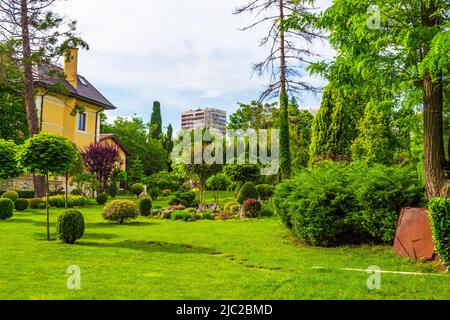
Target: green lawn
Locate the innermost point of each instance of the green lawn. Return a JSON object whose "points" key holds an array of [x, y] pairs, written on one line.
{"points": [[154, 259]]}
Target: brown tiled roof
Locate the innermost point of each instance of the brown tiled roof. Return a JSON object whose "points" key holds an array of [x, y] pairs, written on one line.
{"points": [[85, 90]]}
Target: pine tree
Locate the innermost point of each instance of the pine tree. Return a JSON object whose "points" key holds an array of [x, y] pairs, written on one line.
{"points": [[156, 122]]}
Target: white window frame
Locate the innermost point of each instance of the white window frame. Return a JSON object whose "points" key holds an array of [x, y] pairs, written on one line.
{"points": [[85, 122]]}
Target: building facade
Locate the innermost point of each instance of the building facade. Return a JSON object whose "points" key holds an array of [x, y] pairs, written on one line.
{"points": [[212, 118]]}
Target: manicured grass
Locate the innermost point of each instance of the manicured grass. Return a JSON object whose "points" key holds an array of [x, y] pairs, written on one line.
{"points": [[154, 259]]}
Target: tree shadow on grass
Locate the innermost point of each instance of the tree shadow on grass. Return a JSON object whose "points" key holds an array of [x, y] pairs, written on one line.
{"points": [[152, 246], [112, 224]]}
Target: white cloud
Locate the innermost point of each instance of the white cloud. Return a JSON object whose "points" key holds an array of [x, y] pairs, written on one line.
{"points": [[179, 52]]}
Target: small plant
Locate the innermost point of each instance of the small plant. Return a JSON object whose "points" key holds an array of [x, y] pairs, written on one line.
{"points": [[76, 192], [166, 192], [250, 208], [145, 207], [137, 189], [12, 195], [120, 211], [248, 191], [266, 211], [180, 215], [6, 208], [102, 198], [42, 205], [265, 191], [207, 215], [34, 203], [70, 226], [440, 222], [21, 204], [154, 193]]}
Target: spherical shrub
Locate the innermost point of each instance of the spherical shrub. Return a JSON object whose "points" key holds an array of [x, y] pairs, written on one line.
{"points": [[265, 191], [137, 189], [70, 226], [250, 208], [248, 191], [42, 205], [166, 192], [102, 198], [12, 195], [6, 208], [120, 211], [145, 207], [34, 203], [76, 192], [21, 204]]}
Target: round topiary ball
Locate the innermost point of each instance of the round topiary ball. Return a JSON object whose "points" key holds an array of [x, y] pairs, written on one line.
{"points": [[6, 208], [102, 198], [70, 226], [248, 191], [137, 189], [120, 211], [250, 208], [21, 204], [12, 195], [145, 207]]}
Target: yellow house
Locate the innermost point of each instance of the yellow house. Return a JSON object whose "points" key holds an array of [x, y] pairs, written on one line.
{"points": [[75, 114]]}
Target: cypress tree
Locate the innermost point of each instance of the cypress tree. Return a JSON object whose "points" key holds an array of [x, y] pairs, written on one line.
{"points": [[156, 122], [285, 152], [168, 140]]}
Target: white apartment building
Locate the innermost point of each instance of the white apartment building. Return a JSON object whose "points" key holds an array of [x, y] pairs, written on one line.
{"points": [[211, 118]]}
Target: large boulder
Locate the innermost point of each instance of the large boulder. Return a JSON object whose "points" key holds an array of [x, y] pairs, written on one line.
{"points": [[413, 238]]}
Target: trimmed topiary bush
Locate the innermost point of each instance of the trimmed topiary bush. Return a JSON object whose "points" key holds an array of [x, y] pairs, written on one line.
{"points": [[12, 195], [248, 191], [34, 203], [265, 191], [145, 207], [439, 211], [70, 226], [21, 204], [6, 208], [120, 211], [250, 208], [137, 189], [102, 198]]}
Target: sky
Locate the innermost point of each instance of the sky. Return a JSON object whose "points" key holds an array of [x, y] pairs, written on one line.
{"points": [[185, 54]]}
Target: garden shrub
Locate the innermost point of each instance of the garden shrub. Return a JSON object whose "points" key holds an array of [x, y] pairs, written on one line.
{"points": [[6, 208], [120, 211], [70, 226], [248, 191], [250, 208], [196, 216], [21, 204], [207, 215], [23, 194], [42, 205], [76, 192], [72, 201], [113, 190], [265, 191], [137, 189], [166, 192], [34, 203], [180, 215], [439, 211], [187, 199], [102, 198], [234, 209], [145, 207], [154, 193], [12, 195], [228, 206], [266, 211], [336, 203]]}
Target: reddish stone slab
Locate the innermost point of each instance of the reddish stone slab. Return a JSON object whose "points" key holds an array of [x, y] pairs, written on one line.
{"points": [[414, 236]]}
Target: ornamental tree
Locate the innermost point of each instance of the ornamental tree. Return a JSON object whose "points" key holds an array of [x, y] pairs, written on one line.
{"points": [[9, 167], [45, 154], [102, 161]]}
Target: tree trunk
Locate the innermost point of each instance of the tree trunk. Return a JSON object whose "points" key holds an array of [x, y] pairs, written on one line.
{"points": [[436, 180], [30, 103], [285, 153], [47, 207]]}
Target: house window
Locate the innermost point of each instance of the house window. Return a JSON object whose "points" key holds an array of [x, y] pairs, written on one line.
{"points": [[82, 121]]}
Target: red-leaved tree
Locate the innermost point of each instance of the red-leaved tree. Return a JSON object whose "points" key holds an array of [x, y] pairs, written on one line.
{"points": [[103, 161]]}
